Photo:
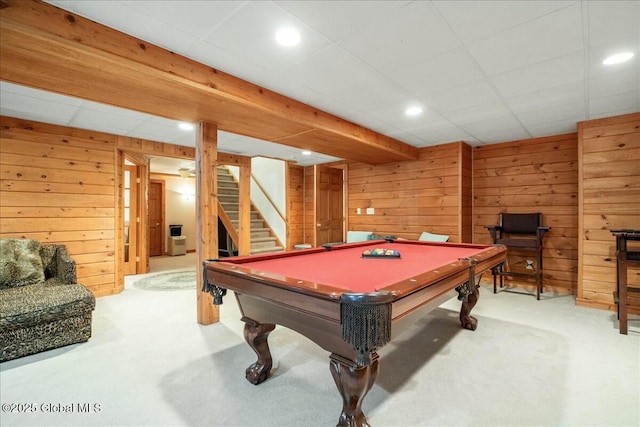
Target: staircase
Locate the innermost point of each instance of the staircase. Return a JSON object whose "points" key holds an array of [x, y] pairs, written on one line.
{"points": [[262, 239]]}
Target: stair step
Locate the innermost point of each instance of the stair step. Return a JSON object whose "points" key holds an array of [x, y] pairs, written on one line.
{"points": [[255, 223], [233, 215], [263, 244], [257, 233], [267, 250], [228, 190]]}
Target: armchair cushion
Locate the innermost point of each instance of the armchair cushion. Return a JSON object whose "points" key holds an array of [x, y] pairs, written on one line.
{"points": [[20, 263], [358, 236], [430, 237], [516, 223]]}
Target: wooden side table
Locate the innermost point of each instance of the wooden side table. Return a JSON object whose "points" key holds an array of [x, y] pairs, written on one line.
{"points": [[625, 295]]}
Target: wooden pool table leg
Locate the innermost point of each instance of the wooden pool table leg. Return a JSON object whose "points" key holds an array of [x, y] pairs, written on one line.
{"points": [[256, 335], [468, 321], [353, 382]]}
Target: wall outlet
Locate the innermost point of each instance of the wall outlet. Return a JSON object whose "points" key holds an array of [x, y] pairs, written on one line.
{"points": [[529, 265]]}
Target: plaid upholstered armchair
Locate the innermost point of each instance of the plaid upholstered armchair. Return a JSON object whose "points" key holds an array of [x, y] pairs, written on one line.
{"points": [[41, 304]]}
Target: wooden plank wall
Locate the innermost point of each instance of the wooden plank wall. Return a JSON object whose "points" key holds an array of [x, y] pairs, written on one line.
{"points": [[309, 206], [609, 155], [58, 186], [533, 175], [465, 215], [295, 205], [409, 197]]}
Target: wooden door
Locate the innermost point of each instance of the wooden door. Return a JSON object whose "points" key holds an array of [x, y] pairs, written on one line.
{"points": [[329, 205], [156, 218], [130, 215]]}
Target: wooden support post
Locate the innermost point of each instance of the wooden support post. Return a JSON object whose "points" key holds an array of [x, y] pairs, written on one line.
{"points": [[206, 213], [244, 216]]}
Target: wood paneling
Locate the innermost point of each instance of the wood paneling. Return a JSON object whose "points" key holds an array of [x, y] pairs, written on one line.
{"points": [[609, 157], [206, 214], [52, 49], [58, 186], [309, 206], [534, 175], [63, 185], [427, 194], [295, 205]]}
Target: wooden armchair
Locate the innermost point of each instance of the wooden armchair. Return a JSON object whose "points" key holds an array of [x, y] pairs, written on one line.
{"points": [[520, 232], [625, 295]]}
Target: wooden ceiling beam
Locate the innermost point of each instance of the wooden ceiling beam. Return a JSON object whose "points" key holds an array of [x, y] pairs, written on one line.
{"points": [[48, 48]]}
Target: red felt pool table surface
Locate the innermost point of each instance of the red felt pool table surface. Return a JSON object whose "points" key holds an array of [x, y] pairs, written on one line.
{"points": [[345, 268]]}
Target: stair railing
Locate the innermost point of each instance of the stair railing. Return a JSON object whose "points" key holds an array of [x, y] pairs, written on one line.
{"points": [[226, 221], [270, 200]]}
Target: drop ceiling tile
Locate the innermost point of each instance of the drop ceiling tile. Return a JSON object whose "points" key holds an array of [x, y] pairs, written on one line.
{"points": [[185, 140], [406, 36], [547, 98], [462, 97], [477, 113], [555, 72], [373, 92], [408, 137], [338, 19], [336, 107], [622, 103], [129, 115], [556, 127], [365, 119], [196, 18], [474, 20], [159, 131], [556, 34], [328, 72], [39, 95], [30, 115], [123, 18], [119, 124], [503, 135], [599, 53], [250, 33], [575, 111], [230, 63], [445, 135], [625, 15], [28, 106], [614, 83], [453, 68], [492, 125], [395, 117]]}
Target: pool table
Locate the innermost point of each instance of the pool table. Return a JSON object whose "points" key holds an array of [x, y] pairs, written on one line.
{"points": [[348, 300]]}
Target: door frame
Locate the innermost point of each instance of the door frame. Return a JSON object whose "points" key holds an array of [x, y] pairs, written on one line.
{"points": [[343, 167], [163, 236], [141, 254]]}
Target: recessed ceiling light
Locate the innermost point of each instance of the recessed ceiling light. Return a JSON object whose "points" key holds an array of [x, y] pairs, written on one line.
{"points": [[618, 58], [287, 37], [185, 126], [306, 153], [413, 111]]}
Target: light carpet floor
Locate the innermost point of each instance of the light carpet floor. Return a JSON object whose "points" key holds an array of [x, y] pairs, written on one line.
{"points": [[529, 363]]}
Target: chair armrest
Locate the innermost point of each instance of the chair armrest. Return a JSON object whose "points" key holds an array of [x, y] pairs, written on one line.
{"points": [[65, 266], [493, 230], [541, 232]]}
